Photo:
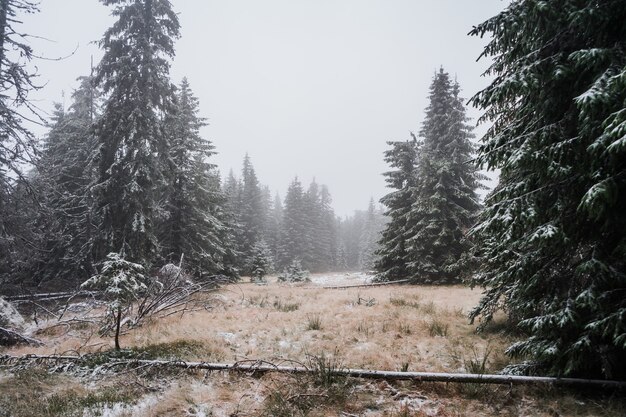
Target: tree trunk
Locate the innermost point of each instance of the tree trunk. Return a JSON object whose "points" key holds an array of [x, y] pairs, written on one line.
{"points": [[4, 6], [117, 327], [262, 367]]}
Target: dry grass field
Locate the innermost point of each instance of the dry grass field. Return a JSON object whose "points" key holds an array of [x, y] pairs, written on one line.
{"points": [[396, 328]]}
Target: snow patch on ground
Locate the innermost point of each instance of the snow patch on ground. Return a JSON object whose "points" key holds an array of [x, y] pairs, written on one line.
{"points": [[9, 316], [341, 278], [121, 409]]}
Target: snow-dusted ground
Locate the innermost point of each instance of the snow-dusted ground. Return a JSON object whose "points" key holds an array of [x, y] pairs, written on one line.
{"points": [[341, 278]]}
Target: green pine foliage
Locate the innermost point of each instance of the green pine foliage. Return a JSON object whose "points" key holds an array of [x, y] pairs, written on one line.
{"points": [[193, 223], [294, 229], [134, 74], [393, 255], [294, 273], [553, 234], [121, 282], [434, 201], [261, 262], [252, 214], [18, 145], [445, 203], [63, 178]]}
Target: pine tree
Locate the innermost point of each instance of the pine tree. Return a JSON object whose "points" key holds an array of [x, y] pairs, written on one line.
{"points": [[553, 234], [64, 177], [192, 226], [252, 216], [394, 256], [232, 209], [445, 203], [328, 238], [369, 237], [261, 262], [122, 282], [313, 251], [134, 74], [274, 226], [293, 233], [17, 143]]}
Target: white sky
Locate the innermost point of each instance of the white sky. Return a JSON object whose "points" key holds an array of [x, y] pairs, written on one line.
{"points": [[312, 88]]}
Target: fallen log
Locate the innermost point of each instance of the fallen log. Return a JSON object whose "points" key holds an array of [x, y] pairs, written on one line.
{"points": [[49, 296], [11, 338], [373, 284], [263, 367]]}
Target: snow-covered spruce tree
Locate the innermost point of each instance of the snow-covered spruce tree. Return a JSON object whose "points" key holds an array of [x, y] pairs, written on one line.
{"points": [[191, 225], [553, 234], [122, 282], [393, 255], [17, 143], [369, 237], [134, 74], [64, 175], [273, 227], [329, 235], [292, 240], [232, 208], [294, 273], [445, 203], [261, 263], [252, 215], [313, 255]]}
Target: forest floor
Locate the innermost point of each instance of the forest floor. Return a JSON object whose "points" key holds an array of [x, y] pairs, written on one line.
{"points": [[414, 328]]}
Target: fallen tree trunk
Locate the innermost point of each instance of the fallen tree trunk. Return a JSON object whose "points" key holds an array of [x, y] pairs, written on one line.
{"points": [[10, 338], [345, 287], [263, 367], [49, 296]]}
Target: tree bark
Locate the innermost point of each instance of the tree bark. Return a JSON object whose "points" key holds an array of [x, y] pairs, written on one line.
{"points": [[4, 6], [252, 367], [117, 327]]}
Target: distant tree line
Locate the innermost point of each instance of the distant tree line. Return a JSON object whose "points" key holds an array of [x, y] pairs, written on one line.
{"points": [[301, 227]]}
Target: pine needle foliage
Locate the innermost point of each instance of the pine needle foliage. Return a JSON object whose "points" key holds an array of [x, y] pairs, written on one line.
{"points": [[134, 74], [445, 203], [194, 223], [121, 282], [553, 234], [393, 255]]}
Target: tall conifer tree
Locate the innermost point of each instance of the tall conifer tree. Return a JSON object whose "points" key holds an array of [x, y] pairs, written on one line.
{"points": [[193, 226], [445, 203], [134, 73], [17, 143], [393, 255], [293, 233], [66, 172], [553, 234]]}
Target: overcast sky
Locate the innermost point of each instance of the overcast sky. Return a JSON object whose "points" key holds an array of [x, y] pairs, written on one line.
{"points": [[312, 88]]}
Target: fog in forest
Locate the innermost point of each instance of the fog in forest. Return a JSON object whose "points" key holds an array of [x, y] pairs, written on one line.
{"points": [[306, 88]]}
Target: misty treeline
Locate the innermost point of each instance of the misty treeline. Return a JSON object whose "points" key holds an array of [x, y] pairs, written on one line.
{"points": [[302, 226], [124, 169]]}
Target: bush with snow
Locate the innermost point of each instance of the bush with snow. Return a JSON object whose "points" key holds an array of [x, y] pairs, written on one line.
{"points": [[294, 273]]}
